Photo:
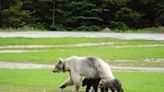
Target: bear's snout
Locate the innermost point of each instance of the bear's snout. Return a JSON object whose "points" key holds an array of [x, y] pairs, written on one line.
{"points": [[54, 71]]}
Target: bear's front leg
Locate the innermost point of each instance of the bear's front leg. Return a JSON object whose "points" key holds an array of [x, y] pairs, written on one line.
{"points": [[88, 88], [76, 79], [68, 82]]}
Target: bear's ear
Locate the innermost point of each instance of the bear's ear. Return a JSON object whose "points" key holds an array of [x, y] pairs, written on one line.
{"points": [[60, 60]]}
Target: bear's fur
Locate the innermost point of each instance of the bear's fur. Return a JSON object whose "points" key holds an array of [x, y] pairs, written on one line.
{"points": [[90, 67], [113, 85]]}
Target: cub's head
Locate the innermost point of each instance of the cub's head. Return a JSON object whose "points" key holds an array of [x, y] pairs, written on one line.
{"points": [[102, 83], [106, 83], [59, 66]]}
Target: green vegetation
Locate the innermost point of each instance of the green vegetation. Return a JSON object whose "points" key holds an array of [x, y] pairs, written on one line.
{"points": [[30, 80], [105, 52], [18, 80], [109, 53], [67, 40], [140, 30], [22, 29], [53, 41], [141, 81], [43, 80], [143, 30], [84, 15]]}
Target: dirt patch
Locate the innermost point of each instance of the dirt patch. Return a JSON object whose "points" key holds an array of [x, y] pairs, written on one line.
{"points": [[145, 69], [81, 45], [141, 60], [66, 45], [13, 65], [19, 51], [146, 45]]}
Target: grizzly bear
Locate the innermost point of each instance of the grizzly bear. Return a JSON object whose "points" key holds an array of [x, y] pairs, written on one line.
{"points": [[89, 67], [113, 85]]}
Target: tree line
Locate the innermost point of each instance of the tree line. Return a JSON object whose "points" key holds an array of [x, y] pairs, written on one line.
{"points": [[81, 14]]}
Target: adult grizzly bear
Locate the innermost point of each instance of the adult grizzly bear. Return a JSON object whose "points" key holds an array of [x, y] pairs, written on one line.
{"points": [[89, 66]]}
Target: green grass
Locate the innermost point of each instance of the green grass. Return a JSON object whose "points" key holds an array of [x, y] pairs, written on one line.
{"points": [[67, 40], [51, 41], [22, 29], [25, 80], [141, 81], [144, 30], [34, 80], [50, 55], [107, 52]]}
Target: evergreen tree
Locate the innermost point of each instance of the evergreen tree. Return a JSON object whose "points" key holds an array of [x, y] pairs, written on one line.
{"points": [[14, 16], [81, 15]]}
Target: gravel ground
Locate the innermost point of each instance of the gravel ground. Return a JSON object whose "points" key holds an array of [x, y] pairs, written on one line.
{"points": [[13, 65], [147, 36]]}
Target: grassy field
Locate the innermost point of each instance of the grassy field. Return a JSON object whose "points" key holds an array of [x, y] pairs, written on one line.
{"points": [[66, 40], [18, 80], [109, 53], [40, 80], [52, 41]]}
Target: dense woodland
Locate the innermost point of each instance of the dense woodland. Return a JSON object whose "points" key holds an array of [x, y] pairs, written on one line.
{"points": [[81, 14]]}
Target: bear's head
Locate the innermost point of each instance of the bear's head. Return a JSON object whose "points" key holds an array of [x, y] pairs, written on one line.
{"points": [[59, 66]]}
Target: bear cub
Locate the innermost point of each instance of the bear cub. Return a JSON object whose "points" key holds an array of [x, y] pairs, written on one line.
{"points": [[91, 82], [113, 85]]}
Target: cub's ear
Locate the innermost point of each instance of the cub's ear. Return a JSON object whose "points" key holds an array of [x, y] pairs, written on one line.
{"points": [[60, 60]]}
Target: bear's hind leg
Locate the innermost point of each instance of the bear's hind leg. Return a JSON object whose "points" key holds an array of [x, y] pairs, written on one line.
{"points": [[95, 88]]}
